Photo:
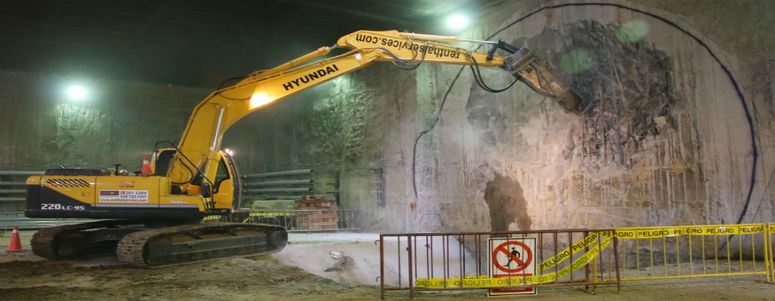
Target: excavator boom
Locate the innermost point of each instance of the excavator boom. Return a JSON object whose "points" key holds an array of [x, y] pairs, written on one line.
{"points": [[223, 108]]}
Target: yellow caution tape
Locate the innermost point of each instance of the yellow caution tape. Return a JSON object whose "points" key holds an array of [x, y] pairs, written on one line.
{"points": [[662, 232], [566, 253], [487, 282], [594, 243], [652, 232], [273, 214], [268, 214]]}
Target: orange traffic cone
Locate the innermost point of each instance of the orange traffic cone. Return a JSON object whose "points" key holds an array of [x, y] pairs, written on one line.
{"points": [[16, 243], [146, 170]]}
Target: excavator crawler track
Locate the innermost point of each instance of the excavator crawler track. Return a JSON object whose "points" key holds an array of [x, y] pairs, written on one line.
{"points": [[192, 243], [68, 241]]}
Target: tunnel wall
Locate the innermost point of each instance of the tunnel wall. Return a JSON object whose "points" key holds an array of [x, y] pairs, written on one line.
{"points": [[663, 139], [118, 123]]}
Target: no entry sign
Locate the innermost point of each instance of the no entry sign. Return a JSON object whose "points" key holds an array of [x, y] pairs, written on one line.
{"points": [[512, 257]]}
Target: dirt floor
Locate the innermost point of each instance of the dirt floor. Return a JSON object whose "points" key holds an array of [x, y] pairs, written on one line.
{"points": [[27, 277], [228, 279]]}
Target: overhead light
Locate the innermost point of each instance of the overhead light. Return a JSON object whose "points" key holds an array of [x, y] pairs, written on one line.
{"points": [[259, 99], [457, 22], [76, 92], [229, 151]]}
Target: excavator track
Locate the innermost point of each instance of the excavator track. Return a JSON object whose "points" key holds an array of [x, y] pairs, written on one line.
{"points": [[198, 242], [67, 241]]}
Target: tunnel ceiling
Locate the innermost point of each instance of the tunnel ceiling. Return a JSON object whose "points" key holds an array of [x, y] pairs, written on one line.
{"points": [[195, 43]]}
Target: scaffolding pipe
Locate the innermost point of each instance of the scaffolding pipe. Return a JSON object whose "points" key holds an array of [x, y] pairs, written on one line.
{"points": [[20, 173], [6, 183], [33, 224], [281, 190], [279, 173], [259, 198], [275, 183]]}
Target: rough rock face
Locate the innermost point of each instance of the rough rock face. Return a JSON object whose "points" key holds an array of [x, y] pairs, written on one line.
{"points": [[625, 86], [339, 120], [661, 125], [625, 83]]}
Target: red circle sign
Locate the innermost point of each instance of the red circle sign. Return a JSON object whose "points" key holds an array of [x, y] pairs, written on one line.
{"points": [[521, 264]]}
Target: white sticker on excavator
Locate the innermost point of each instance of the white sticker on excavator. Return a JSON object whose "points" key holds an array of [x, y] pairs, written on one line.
{"points": [[123, 196]]}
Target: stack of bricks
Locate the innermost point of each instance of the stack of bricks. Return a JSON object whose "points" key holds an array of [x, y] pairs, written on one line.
{"points": [[317, 213]]}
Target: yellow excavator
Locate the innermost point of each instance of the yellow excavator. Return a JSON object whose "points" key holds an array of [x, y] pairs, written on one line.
{"points": [[156, 219]]}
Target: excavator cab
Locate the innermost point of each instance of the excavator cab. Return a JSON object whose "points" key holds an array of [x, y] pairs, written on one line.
{"points": [[223, 189]]}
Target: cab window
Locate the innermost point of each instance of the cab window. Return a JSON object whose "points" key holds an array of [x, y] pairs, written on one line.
{"points": [[221, 175]]}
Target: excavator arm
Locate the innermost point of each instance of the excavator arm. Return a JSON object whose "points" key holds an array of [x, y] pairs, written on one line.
{"points": [[223, 108]]}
